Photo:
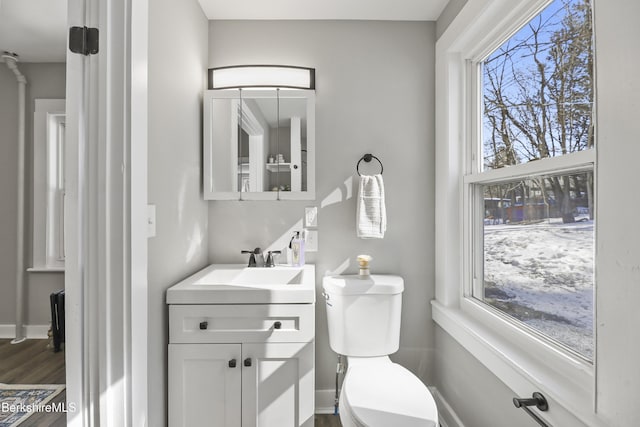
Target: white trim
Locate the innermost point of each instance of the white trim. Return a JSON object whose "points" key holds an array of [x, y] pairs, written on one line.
{"points": [[37, 331], [446, 415], [325, 401], [75, 359], [138, 308], [43, 219], [569, 163], [31, 331]]}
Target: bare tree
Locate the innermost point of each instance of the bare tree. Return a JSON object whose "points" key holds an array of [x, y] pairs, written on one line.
{"points": [[538, 97]]}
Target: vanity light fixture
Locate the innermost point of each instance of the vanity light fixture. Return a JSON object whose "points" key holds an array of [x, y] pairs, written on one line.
{"points": [[244, 76]]}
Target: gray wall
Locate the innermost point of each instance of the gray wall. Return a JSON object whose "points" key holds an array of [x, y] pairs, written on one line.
{"points": [[45, 80], [448, 15], [177, 66], [375, 94], [479, 398]]}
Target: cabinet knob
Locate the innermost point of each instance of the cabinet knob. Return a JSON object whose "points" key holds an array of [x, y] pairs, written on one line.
{"points": [[277, 325], [232, 363], [204, 325], [247, 362]]}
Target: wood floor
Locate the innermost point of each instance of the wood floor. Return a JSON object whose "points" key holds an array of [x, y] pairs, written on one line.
{"points": [[31, 362], [327, 420]]}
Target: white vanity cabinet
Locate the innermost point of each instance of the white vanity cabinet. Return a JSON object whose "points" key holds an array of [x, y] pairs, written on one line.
{"points": [[203, 389], [244, 365]]}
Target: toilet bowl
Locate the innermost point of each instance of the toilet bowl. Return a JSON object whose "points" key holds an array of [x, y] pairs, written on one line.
{"points": [[363, 315], [379, 393]]}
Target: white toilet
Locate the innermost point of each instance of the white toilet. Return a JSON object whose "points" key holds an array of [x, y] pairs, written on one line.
{"points": [[363, 314]]}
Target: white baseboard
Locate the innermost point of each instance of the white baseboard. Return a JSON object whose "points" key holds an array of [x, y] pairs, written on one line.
{"points": [[31, 331], [448, 417], [324, 401]]}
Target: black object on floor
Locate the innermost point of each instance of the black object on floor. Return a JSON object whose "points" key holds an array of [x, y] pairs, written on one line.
{"points": [[57, 319]]}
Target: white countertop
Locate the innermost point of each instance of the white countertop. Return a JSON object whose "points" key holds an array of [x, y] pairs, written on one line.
{"points": [[239, 284]]}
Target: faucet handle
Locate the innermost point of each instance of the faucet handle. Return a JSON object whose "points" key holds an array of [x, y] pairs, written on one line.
{"points": [[252, 258], [255, 251], [271, 261]]}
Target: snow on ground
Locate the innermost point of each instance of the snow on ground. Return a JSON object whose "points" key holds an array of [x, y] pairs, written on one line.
{"points": [[542, 274]]}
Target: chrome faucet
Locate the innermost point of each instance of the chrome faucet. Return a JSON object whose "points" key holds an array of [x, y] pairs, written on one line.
{"points": [[256, 259], [271, 258]]}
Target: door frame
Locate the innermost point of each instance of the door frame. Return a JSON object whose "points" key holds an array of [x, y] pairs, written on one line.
{"points": [[105, 223]]}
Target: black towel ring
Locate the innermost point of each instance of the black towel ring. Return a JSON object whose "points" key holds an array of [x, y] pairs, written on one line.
{"points": [[367, 158]]}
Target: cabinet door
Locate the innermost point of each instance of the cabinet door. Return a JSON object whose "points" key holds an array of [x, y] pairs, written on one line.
{"points": [[278, 386], [204, 388]]}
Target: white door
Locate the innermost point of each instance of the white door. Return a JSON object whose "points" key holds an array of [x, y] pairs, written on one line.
{"points": [[278, 386], [205, 385]]}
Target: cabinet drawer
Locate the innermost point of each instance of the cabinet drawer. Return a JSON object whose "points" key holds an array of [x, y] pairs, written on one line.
{"points": [[241, 323]]}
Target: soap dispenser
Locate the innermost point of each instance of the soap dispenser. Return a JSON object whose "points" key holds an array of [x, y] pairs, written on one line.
{"points": [[297, 250]]}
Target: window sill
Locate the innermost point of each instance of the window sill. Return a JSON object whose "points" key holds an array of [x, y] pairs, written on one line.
{"points": [[525, 369], [45, 270]]}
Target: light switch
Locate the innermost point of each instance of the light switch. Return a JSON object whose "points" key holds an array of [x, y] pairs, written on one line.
{"points": [[151, 220], [311, 241], [311, 216]]}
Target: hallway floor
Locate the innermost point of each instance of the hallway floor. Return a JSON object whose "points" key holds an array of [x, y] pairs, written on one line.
{"points": [[327, 420], [31, 362]]}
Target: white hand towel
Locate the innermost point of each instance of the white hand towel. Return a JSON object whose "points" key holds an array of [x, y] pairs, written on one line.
{"points": [[371, 215]]}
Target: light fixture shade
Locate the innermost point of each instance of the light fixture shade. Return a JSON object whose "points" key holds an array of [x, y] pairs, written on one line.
{"points": [[239, 76]]}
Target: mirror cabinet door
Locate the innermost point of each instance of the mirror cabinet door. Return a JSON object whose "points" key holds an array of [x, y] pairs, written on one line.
{"points": [[257, 119], [257, 144], [292, 143]]}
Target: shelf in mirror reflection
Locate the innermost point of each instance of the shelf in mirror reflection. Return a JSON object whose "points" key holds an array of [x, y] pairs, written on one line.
{"points": [[279, 167]]}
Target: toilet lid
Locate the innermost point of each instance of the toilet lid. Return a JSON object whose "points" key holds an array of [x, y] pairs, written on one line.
{"points": [[389, 396]]}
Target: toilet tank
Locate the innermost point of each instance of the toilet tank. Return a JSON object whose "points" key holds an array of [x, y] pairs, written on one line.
{"points": [[363, 313]]}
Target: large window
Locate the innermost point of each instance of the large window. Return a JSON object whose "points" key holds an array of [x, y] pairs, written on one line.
{"points": [[531, 189], [515, 224]]}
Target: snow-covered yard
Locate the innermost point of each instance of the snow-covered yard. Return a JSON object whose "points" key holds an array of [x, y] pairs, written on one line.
{"points": [[542, 274]]}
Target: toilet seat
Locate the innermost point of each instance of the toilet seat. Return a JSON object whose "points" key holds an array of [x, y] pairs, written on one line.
{"points": [[386, 394]]}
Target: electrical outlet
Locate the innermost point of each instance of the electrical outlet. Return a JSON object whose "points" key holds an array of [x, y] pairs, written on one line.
{"points": [[311, 241], [311, 216]]}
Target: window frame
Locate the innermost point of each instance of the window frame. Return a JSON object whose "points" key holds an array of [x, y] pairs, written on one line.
{"points": [[48, 204], [524, 361]]}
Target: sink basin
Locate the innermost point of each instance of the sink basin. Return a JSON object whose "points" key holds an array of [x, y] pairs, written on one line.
{"points": [[252, 276], [239, 284]]}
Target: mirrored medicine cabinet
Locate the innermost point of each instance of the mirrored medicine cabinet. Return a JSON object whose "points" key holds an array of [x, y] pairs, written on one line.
{"points": [[259, 144]]}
